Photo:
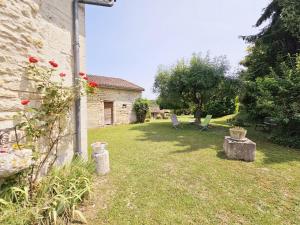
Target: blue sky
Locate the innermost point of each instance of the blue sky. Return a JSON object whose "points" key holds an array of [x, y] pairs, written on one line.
{"points": [[134, 37]]}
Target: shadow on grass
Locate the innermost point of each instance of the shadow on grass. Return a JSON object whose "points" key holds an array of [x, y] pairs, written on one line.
{"points": [[221, 154], [192, 139], [188, 137]]}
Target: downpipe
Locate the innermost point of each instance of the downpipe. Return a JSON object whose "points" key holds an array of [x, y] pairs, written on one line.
{"points": [[76, 62], [104, 3]]}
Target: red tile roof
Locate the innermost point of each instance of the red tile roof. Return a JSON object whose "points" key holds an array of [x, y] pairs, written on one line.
{"points": [[114, 83]]}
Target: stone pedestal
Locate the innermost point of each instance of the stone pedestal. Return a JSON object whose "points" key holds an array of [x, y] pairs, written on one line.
{"points": [[101, 158], [240, 150], [102, 162]]}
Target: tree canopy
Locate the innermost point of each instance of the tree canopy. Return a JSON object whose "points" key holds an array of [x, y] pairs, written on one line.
{"points": [[272, 78], [191, 84]]}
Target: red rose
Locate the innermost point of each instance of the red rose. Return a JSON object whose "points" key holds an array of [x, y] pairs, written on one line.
{"points": [[25, 102], [33, 59], [62, 74], [93, 84], [85, 78], [53, 64], [82, 74]]}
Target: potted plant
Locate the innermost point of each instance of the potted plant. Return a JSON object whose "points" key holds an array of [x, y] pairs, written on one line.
{"points": [[238, 133]]}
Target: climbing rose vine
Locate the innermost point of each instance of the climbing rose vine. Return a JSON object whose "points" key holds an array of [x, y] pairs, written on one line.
{"points": [[93, 84], [46, 116], [53, 64], [32, 59], [25, 102], [62, 74]]}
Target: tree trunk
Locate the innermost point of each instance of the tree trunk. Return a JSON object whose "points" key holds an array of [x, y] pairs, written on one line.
{"points": [[198, 115]]}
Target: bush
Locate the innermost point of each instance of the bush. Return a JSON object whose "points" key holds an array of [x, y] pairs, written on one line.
{"points": [[148, 115], [241, 119], [180, 112], [141, 108], [220, 108], [55, 199], [285, 140], [287, 133], [276, 94]]}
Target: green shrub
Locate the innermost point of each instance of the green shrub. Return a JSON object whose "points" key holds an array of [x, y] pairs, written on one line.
{"points": [[55, 198], [219, 108], [285, 140], [287, 133], [141, 108], [180, 112], [148, 115], [240, 119]]}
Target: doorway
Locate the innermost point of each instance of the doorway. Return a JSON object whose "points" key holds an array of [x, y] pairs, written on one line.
{"points": [[108, 113]]}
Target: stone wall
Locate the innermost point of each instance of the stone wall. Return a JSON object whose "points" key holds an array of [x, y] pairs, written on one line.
{"points": [[123, 101], [43, 29]]}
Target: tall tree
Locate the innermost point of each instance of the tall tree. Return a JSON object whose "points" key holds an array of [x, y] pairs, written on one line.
{"points": [[191, 83], [269, 48], [271, 76], [275, 41], [291, 16]]}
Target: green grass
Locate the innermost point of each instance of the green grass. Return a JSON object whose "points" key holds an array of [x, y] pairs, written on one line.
{"points": [[160, 175], [56, 198]]}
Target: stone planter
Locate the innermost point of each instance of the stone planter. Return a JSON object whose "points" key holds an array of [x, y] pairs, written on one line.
{"points": [[14, 161], [238, 133], [240, 150]]}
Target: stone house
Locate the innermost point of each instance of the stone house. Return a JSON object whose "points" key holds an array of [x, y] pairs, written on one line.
{"points": [[43, 29], [114, 102]]}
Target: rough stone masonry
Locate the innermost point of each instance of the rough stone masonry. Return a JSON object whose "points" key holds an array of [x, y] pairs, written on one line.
{"points": [[123, 112], [43, 29]]}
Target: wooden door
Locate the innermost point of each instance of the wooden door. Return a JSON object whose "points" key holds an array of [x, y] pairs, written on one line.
{"points": [[108, 113]]}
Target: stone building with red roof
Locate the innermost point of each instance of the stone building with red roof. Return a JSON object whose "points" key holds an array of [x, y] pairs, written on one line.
{"points": [[113, 103]]}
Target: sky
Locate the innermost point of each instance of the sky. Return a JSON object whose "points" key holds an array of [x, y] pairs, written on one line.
{"points": [[133, 38]]}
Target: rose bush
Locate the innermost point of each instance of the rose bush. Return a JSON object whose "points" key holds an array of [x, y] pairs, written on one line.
{"points": [[46, 116], [53, 64]]}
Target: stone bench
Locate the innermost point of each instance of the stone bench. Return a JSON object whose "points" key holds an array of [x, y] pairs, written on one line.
{"points": [[239, 149]]}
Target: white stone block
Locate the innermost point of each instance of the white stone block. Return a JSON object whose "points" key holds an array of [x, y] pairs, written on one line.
{"points": [[102, 162]]}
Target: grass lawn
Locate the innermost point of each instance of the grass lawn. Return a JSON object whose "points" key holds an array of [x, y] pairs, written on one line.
{"points": [[160, 175]]}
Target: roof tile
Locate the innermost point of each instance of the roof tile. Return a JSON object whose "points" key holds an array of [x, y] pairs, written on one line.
{"points": [[115, 83]]}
